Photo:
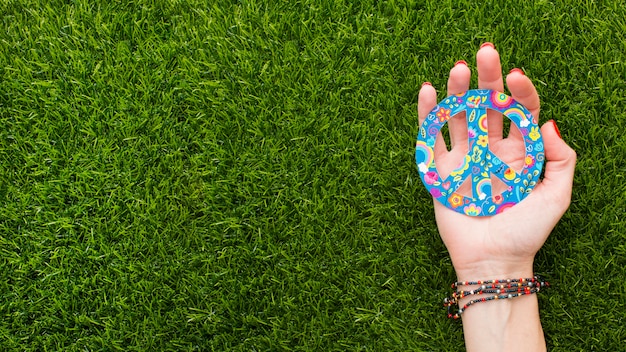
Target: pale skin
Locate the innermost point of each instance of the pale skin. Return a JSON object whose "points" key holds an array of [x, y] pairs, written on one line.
{"points": [[504, 245]]}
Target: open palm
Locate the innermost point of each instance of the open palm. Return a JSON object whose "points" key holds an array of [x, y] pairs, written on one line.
{"points": [[504, 244]]}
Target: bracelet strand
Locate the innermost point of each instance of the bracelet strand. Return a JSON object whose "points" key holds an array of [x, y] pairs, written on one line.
{"points": [[503, 289]]}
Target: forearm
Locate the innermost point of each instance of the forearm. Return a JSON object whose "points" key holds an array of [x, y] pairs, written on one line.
{"points": [[511, 325], [502, 246]]}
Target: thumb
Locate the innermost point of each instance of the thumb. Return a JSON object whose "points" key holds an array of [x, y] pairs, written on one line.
{"points": [[560, 165]]}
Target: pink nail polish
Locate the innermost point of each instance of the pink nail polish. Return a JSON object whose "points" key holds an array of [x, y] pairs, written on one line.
{"points": [[460, 62], [426, 84], [517, 70], [488, 44]]}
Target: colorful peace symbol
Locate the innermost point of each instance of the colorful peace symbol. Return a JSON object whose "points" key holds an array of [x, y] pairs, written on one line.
{"points": [[480, 163]]}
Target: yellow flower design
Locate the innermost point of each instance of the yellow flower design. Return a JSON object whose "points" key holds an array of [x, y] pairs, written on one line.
{"points": [[483, 140]]}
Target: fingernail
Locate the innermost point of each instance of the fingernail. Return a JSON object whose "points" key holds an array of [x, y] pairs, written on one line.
{"points": [[460, 62], [426, 84], [556, 128], [517, 70], [488, 44]]}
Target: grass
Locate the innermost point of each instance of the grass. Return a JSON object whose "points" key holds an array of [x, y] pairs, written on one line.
{"points": [[239, 175]]}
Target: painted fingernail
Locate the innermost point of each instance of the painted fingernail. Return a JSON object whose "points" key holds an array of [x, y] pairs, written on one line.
{"points": [[426, 84], [460, 62], [556, 128], [488, 44], [517, 70]]}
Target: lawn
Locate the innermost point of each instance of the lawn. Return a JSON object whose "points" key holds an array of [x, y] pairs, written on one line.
{"points": [[240, 175]]}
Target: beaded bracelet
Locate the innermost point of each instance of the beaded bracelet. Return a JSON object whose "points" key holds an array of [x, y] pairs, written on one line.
{"points": [[503, 289], [487, 282]]}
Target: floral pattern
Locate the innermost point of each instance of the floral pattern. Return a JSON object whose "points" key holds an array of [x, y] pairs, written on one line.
{"points": [[443, 114], [480, 160], [483, 140], [431, 177], [471, 133], [472, 210], [435, 192], [456, 200]]}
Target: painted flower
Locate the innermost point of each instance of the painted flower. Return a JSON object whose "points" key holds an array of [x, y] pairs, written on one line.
{"points": [[534, 133], [455, 200], [431, 177], [483, 140], [435, 192], [422, 167], [471, 133], [443, 114], [529, 161], [472, 210]]}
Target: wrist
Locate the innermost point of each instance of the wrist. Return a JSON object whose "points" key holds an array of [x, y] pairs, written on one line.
{"points": [[513, 323], [495, 269], [497, 303], [468, 293]]}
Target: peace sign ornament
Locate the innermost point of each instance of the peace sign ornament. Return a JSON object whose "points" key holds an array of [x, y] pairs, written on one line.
{"points": [[480, 164]]}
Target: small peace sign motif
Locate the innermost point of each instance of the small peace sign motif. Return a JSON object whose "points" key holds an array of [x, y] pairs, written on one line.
{"points": [[480, 164]]}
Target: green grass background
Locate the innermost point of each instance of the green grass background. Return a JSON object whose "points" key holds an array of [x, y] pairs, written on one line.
{"points": [[239, 175]]}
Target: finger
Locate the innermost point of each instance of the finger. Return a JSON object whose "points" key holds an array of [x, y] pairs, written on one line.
{"points": [[458, 82], [523, 90], [426, 102], [490, 77], [559, 174]]}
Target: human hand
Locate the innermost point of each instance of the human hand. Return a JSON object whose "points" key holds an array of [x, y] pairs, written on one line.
{"points": [[504, 245]]}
